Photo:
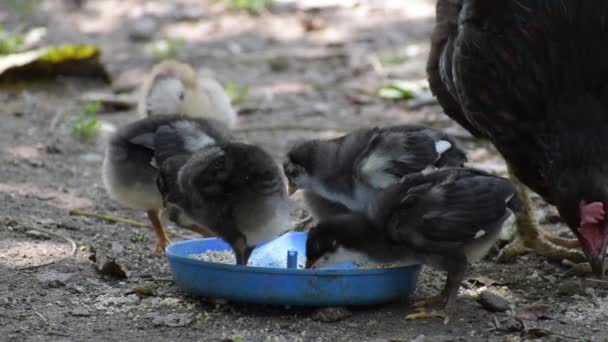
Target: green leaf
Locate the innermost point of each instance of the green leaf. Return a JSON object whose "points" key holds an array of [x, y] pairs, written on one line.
{"points": [[400, 90], [75, 60], [389, 93]]}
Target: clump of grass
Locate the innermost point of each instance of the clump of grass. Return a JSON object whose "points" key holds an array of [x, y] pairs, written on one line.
{"points": [[84, 124], [237, 93], [10, 41], [139, 238], [251, 6], [166, 48]]}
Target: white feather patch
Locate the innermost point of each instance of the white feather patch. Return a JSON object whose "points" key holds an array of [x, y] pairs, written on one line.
{"points": [[441, 146], [479, 234], [373, 167], [194, 140]]}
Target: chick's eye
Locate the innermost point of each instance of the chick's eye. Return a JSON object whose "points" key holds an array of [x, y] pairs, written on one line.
{"points": [[181, 96]]}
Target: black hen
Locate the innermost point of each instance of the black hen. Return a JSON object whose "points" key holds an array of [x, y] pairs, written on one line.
{"points": [[532, 77]]}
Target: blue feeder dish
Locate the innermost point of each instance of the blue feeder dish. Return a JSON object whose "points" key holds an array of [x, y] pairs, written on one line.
{"points": [[278, 279]]}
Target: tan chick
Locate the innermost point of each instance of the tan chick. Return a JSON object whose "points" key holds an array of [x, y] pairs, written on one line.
{"points": [[175, 88]]}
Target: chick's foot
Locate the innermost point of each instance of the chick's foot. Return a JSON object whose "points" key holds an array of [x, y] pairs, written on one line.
{"points": [[162, 240]]}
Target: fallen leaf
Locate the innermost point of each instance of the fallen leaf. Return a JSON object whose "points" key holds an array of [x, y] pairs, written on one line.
{"points": [[51, 61], [107, 264]]}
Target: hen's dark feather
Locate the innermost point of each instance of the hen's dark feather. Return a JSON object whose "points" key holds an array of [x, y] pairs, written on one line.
{"points": [[532, 77]]}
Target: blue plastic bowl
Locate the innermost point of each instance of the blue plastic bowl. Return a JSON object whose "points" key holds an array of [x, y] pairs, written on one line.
{"points": [[336, 285]]}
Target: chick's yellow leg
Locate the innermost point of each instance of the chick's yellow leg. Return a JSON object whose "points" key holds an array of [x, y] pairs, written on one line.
{"points": [[421, 314], [450, 292], [162, 240], [531, 238]]}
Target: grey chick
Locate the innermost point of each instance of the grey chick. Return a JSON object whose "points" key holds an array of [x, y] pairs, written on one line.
{"points": [[446, 219], [235, 189], [343, 174], [128, 175], [172, 87]]}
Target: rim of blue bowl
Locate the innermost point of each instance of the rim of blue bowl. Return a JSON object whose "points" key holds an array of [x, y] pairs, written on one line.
{"points": [[284, 271]]}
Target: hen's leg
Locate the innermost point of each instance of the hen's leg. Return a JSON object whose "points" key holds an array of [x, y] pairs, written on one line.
{"points": [[161, 235], [530, 237]]}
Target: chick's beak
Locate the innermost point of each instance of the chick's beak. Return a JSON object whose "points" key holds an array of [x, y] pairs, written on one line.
{"points": [[291, 188], [242, 251]]}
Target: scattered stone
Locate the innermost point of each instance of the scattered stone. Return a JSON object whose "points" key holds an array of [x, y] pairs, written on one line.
{"points": [[279, 63], [143, 28], [493, 302], [511, 324], [331, 314], [54, 284], [80, 312], [571, 287], [173, 320], [117, 247], [52, 276], [313, 23]]}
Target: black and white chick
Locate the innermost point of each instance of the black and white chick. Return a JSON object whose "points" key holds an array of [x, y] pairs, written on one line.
{"points": [[234, 189], [343, 174], [128, 174], [446, 219]]}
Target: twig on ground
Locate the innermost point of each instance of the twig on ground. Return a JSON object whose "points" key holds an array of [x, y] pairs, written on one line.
{"points": [[121, 220], [48, 232], [107, 218]]}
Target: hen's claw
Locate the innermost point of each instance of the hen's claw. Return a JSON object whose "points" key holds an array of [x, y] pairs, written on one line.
{"points": [[531, 238]]}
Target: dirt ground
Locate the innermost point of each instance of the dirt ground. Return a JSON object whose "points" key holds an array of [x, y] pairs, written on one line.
{"points": [[307, 63]]}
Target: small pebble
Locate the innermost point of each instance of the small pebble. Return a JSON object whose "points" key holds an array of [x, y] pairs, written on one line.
{"points": [[331, 314], [80, 312], [493, 302], [143, 28]]}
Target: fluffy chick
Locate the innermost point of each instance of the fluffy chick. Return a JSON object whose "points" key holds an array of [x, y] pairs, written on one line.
{"points": [[235, 189], [343, 174], [446, 219], [128, 174], [173, 87]]}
